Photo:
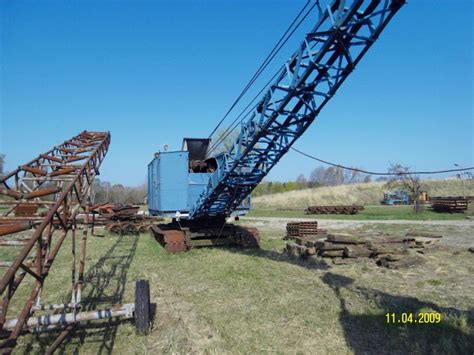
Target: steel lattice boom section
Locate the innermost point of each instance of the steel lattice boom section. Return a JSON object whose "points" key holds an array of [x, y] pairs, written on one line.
{"points": [[42, 200], [329, 53]]}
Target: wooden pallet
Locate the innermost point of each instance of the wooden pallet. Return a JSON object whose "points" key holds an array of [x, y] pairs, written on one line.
{"points": [[449, 204]]}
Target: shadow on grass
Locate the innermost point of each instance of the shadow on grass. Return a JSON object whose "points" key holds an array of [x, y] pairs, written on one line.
{"points": [[309, 263], [104, 286], [371, 334]]}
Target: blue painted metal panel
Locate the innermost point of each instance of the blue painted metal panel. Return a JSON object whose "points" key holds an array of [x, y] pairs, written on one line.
{"points": [[168, 183], [173, 181], [171, 188], [196, 184], [396, 198], [153, 188]]}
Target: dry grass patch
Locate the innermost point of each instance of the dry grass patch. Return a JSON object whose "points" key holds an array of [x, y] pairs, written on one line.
{"points": [[260, 301], [360, 194]]}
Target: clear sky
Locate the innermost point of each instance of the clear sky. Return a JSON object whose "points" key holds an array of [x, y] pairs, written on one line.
{"points": [[151, 72]]}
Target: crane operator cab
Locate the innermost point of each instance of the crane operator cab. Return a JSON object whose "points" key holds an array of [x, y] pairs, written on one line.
{"points": [[176, 180]]}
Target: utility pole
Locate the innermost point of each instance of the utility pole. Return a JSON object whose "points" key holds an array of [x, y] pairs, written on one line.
{"points": [[2, 161], [461, 175]]}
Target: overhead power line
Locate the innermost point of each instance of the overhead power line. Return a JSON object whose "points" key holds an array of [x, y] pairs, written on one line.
{"points": [[378, 173], [278, 46], [235, 123], [265, 63]]}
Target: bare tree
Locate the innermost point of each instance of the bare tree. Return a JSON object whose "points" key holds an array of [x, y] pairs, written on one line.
{"points": [[352, 176], [318, 175], [104, 191], [405, 180], [301, 181], [225, 140], [335, 175]]}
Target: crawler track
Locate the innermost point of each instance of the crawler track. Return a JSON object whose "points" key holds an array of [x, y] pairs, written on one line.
{"points": [[178, 237]]}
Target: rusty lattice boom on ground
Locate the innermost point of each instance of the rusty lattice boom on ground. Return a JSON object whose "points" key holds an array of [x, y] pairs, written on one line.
{"points": [[41, 201]]}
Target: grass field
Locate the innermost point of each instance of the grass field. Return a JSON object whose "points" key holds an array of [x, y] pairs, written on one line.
{"points": [[370, 213], [227, 300], [360, 194]]}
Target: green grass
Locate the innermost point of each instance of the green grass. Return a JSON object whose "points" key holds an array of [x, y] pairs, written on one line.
{"points": [[369, 213], [228, 300]]}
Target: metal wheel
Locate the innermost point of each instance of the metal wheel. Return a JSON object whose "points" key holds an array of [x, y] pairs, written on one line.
{"points": [[130, 228], [114, 227]]}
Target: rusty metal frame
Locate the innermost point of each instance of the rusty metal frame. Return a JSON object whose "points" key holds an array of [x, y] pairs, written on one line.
{"points": [[59, 182]]}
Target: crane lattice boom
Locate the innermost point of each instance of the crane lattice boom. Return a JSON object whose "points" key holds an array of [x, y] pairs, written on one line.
{"points": [[329, 53]]}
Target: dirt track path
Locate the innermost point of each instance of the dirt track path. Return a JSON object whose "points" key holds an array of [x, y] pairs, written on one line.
{"points": [[455, 233], [278, 222]]}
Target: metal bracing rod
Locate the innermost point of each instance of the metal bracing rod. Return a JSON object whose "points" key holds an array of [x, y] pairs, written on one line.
{"points": [[326, 57], [67, 197], [47, 219], [74, 317]]}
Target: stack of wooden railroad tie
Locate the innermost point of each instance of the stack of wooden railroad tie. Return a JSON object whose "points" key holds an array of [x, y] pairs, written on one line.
{"points": [[334, 209], [386, 250]]}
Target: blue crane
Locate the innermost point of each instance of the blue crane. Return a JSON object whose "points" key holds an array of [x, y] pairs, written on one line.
{"points": [[201, 189]]}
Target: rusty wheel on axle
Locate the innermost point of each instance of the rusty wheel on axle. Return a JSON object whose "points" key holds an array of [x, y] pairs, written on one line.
{"points": [[130, 228], [114, 227], [144, 228]]}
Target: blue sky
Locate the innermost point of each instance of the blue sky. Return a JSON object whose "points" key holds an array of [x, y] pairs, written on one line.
{"points": [[152, 72]]}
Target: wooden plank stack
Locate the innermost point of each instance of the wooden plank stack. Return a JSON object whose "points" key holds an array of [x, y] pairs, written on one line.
{"points": [[303, 229], [449, 204], [386, 250], [333, 209]]}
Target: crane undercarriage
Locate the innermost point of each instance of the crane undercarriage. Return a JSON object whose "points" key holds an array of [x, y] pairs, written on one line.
{"points": [[179, 236]]}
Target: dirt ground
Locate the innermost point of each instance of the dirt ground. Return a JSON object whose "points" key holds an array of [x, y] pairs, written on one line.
{"points": [[451, 230]]}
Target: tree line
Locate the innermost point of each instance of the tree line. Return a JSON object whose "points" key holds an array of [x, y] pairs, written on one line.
{"points": [[319, 176], [117, 193], [104, 191]]}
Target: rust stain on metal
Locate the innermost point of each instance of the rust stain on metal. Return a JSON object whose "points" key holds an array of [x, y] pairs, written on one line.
{"points": [[334, 209], [51, 158], [63, 171], [33, 170], [10, 193], [43, 192], [176, 237], [121, 219], [62, 200], [14, 228], [26, 209], [75, 158]]}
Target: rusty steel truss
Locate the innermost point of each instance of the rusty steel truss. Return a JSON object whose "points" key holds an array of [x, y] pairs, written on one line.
{"points": [[40, 203]]}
